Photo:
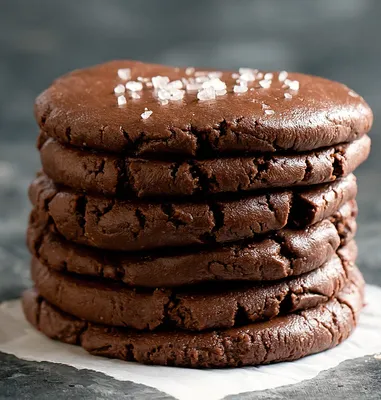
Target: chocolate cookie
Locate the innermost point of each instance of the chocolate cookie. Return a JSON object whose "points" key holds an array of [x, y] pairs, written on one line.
{"points": [[115, 175], [253, 111], [284, 253], [126, 225], [196, 308], [284, 338]]}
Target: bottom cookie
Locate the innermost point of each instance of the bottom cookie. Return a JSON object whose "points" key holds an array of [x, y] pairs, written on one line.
{"points": [[284, 338]]}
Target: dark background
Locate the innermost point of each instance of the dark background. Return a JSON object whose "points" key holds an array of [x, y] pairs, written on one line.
{"points": [[40, 40]]}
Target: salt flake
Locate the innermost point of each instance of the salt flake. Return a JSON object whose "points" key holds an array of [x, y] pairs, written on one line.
{"points": [[134, 86], [189, 71], [240, 89], [215, 83], [122, 101], [147, 113], [124, 73], [282, 76], [265, 83], [119, 89], [206, 94]]}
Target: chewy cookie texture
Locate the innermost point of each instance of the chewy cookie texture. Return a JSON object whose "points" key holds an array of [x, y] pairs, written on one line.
{"points": [[196, 218]]}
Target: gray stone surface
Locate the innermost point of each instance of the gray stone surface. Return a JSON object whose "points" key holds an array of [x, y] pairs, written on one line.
{"points": [[42, 39], [353, 379], [21, 379]]}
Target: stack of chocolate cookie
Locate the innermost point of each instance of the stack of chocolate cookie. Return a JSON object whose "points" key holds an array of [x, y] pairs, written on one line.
{"points": [[196, 218]]}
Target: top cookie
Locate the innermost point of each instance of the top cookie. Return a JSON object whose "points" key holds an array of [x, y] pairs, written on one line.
{"points": [[198, 113]]}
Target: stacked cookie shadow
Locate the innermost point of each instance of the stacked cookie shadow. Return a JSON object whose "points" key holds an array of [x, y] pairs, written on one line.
{"points": [[196, 232]]}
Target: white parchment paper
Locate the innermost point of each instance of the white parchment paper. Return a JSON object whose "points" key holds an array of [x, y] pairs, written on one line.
{"points": [[19, 339]]}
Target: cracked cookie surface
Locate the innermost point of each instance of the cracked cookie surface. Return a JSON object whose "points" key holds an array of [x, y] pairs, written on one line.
{"points": [[81, 109], [194, 308], [287, 252], [127, 177], [284, 338], [129, 226]]}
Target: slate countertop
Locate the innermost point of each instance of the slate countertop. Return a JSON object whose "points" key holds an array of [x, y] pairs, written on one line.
{"points": [[43, 39]]}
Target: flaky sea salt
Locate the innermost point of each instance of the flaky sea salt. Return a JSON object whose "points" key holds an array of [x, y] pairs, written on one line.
{"points": [[288, 96], [235, 75], [268, 76], [119, 89], [269, 112], [215, 74], [293, 85], [163, 94], [265, 83], [265, 106], [124, 73], [247, 76], [215, 83], [122, 101], [201, 79], [206, 94], [282, 76], [175, 84], [176, 94], [163, 102], [239, 89], [134, 86], [245, 70], [189, 71], [147, 113], [353, 94], [201, 73], [135, 96], [221, 92], [160, 81], [193, 87]]}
